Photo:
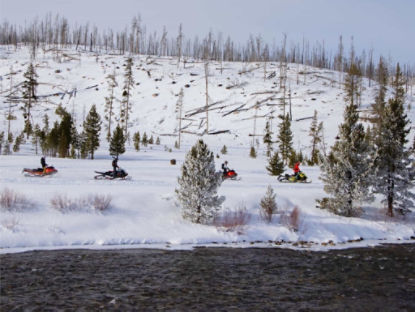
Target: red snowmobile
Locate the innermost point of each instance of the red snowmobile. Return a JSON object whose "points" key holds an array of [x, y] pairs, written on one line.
{"points": [[231, 174], [38, 172]]}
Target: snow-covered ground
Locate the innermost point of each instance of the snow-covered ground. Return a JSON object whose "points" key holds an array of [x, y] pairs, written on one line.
{"points": [[143, 209]]}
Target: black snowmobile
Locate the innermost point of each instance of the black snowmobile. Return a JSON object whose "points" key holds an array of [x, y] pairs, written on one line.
{"points": [[109, 175], [290, 178]]}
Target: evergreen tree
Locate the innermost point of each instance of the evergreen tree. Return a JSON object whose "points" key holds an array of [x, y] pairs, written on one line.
{"points": [[29, 96], [268, 205], [198, 184], [36, 137], [52, 140], [392, 167], [224, 150], [144, 140], [158, 141], [92, 128], [109, 103], [353, 84], [382, 77], [316, 130], [76, 142], [252, 152], [151, 140], [18, 142], [1, 140], [64, 132], [6, 149], [268, 138], [136, 140], [345, 172], [285, 138], [117, 145], [126, 95], [275, 165]]}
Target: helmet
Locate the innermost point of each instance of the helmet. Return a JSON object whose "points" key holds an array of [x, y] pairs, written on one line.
{"points": [[226, 162]]}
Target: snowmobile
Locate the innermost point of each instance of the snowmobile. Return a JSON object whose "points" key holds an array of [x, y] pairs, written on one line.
{"points": [[109, 175], [231, 174], [38, 172], [289, 178]]}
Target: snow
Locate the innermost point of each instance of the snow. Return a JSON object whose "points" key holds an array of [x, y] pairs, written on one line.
{"points": [[144, 211]]}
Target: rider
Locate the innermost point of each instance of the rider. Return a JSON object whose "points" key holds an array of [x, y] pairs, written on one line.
{"points": [[115, 166], [43, 163], [225, 167], [297, 170]]}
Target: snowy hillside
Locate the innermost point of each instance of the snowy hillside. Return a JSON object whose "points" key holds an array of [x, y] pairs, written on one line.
{"points": [[143, 209]]}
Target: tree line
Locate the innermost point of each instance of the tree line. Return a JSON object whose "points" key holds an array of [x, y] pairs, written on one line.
{"points": [[56, 31]]}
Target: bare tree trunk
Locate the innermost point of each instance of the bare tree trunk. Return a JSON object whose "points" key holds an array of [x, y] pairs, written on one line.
{"points": [[207, 96]]}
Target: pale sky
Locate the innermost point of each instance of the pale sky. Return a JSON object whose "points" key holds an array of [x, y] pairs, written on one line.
{"points": [[387, 26]]}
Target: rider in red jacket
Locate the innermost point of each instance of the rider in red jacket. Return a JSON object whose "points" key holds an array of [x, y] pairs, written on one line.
{"points": [[296, 169]]}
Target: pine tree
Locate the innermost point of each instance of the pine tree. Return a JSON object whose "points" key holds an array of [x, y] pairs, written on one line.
{"points": [[64, 132], [151, 140], [275, 165], [109, 103], [29, 97], [198, 184], [268, 205], [224, 150], [117, 145], [18, 142], [316, 130], [285, 138], [6, 149], [144, 140], [345, 172], [268, 138], [353, 84], [136, 140], [158, 141], [36, 137], [76, 142], [126, 95], [382, 77], [52, 140], [92, 128], [392, 167], [252, 152], [1, 140]]}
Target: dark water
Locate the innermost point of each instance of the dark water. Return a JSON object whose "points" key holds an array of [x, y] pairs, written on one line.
{"points": [[210, 279]]}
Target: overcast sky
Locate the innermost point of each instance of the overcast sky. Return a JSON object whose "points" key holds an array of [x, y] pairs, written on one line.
{"points": [[387, 26]]}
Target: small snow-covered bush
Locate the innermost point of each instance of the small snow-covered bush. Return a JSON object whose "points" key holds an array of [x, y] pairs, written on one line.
{"points": [[63, 203], [233, 219], [100, 202], [12, 201], [268, 206], [97, 203]]}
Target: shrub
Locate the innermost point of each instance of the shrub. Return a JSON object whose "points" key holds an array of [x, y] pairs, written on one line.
{"points": [[291, 220], [233, 220], [12, 201], [268, 206], [97, 203]]}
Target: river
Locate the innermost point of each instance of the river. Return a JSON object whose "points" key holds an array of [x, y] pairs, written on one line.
{"points": [[379, 278]]}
